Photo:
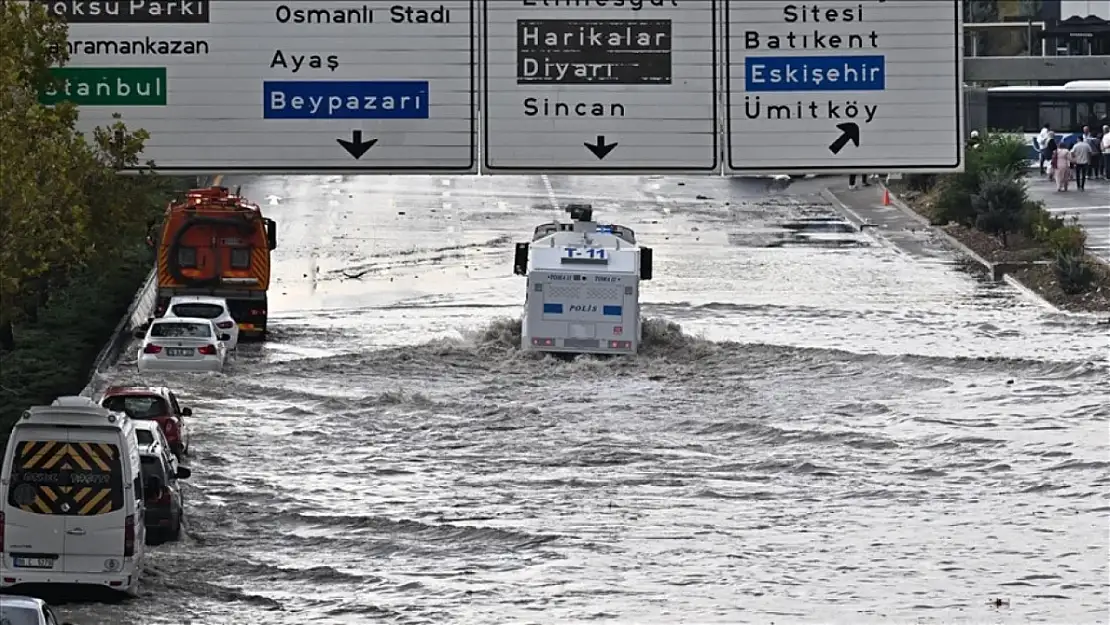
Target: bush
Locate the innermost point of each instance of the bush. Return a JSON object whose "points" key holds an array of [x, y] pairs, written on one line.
{"points": [[1074, 272], [1068, 240], [1039, 224], [922, 183], [998, 155], [1000, 152], [1068, 245], [999, 203], [54, 355]]}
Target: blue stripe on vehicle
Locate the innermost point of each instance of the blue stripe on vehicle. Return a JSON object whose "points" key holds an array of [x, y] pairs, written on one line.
{"points": [[611, 310], [552, 309]]}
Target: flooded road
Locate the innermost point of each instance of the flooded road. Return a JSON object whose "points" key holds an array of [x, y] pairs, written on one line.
{"points": [[822, 432]]}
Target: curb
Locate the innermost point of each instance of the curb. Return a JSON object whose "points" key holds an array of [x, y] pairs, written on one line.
{"points": [[992, 268], [832, 198], [1030, 293], [951, 240]]}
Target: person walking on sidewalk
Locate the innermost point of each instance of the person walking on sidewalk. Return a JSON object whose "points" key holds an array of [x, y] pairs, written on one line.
{"points": [[1061, 168], [1042, 146], [852, 181], [1048, 153], [1095, 170], [1081, 156], [1106, 152]]}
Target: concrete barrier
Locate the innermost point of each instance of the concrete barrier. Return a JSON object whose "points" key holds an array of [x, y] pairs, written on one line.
{"points": [[142, 306], [140, 310]]}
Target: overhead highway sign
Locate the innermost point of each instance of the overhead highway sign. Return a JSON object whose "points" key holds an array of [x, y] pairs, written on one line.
{"points": [[843, 86], [601, 86], [262, 85]]}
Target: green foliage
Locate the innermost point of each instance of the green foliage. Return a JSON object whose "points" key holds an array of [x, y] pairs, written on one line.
{"points": [[71, 228], [998, 155], [1074, 272], [1038, 223], [65, 206], [54, 355], [922, 183], [999, 202], [1000, 151], [1068, 240], [1068, 245]]}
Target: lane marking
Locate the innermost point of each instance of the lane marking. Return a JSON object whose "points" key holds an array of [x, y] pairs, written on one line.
{"points": [[550, 192]]}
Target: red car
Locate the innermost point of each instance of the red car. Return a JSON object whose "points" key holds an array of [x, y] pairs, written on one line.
{"points": [[153, 402]]}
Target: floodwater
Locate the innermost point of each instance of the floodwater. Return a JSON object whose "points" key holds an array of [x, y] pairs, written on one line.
{"points": [[824, 432]]}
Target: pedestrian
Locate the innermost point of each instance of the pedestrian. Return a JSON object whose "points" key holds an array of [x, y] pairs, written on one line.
{"points": [[1042, 147], [1095, 171], [1048, 150], [1080, 155], [862, 179], [1106, 152], [1061, 168]]}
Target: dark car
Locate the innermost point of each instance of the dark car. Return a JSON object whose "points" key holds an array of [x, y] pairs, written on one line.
{"points": [[153, 402], [165, 504]]}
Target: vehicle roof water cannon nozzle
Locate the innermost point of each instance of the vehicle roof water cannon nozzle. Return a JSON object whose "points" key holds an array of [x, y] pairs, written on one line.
{"points": [[580, 212]]}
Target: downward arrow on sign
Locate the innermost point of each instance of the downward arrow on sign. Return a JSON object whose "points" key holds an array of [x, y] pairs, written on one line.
{"points": [[600, 149]]}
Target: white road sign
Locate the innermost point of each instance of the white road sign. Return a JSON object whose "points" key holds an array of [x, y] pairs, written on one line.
{"points": [[600, 86], [844, 86], [264, 85]]}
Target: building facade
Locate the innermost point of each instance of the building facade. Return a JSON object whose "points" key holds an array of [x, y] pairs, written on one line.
{"points": [[1037, 27]]}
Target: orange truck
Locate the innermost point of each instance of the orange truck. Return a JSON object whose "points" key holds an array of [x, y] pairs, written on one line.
{"points": [[214, 242]]}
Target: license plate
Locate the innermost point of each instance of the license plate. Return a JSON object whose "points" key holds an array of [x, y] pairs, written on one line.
{"points": [[179, 351], [34, 563]]}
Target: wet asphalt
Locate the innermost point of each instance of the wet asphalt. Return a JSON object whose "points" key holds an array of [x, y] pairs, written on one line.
{"points": [[820, 429]]}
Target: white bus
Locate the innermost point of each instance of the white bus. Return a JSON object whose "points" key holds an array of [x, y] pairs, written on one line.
{"points": [[1066, 109]]}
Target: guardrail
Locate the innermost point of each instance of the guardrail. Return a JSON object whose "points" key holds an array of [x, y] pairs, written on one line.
{"points": [[142, 306]]}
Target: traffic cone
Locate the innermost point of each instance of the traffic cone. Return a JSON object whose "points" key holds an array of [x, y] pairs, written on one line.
{"points": [[886, 196]]}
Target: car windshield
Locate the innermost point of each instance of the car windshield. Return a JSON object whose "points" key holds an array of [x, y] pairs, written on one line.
{"points": [[181, 330], [204, 311], [18, 615], [138, 406], [145, 437]]}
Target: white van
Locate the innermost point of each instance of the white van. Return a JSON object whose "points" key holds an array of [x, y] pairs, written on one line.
{"points": [[73, 499]]}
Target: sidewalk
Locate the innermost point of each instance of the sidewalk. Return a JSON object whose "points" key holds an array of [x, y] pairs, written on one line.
{"points": [[1091, 206], [904, 230]]}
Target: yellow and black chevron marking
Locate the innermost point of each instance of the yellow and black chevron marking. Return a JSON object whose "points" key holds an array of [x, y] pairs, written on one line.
{"points": [[164, 277], [57, 477], [260, 266]]}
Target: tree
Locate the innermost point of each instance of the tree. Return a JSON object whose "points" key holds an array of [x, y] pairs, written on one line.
{"points": [[61, 200], [999, 204]]}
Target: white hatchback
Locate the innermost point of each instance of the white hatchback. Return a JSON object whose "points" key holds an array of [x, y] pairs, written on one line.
{"points": [[21, 610], [182, 344], [205, 307]]}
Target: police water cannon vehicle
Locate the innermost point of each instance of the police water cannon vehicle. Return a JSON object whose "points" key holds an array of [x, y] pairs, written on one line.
{"points": [[583, 294]]}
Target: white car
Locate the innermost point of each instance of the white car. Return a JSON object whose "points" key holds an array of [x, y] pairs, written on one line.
{"points": [[20, 610], [151, 439], [182, 344], [205, 307]]}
